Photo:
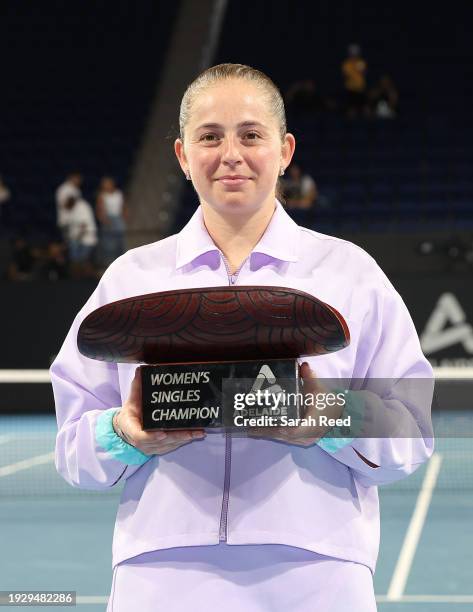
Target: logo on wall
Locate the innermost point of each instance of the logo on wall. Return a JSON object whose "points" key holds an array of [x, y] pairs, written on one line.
{"points": [[447, 326]]}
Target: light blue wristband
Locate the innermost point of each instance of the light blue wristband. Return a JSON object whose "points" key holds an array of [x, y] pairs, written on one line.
{"points": [[107, 439], [354, 408]]}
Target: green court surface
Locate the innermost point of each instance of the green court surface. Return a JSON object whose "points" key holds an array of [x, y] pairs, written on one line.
{"points": [[54, 537]]}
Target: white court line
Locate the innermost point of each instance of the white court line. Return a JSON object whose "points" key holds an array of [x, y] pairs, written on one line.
{"points": [[8, 470], [24, 376], [426, 599], [409, 546], [88, 600], [447, 372], [42, 376]]}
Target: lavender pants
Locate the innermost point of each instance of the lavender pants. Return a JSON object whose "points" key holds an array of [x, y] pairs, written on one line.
{"points": [[249, 578]]}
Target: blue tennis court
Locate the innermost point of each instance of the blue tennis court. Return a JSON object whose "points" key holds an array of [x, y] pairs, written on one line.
{"points": [[59, 538]]}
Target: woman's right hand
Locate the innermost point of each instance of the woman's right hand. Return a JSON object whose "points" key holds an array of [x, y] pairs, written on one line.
{"points": [[130, 423]]}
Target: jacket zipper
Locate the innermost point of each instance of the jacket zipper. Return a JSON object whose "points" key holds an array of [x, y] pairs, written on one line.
{"points": [[232, 279]]}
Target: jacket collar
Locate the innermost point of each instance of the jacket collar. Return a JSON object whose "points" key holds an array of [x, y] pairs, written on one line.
{"points": [[279, 241]]}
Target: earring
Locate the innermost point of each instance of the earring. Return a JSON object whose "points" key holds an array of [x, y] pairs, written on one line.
{"points": [[188, 176], [282, 171]]}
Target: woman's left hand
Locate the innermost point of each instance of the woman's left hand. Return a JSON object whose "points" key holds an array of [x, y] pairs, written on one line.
{"points": [[302, 435]]}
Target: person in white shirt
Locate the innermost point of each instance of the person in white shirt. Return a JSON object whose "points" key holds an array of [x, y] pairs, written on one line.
{"points": [[300, 190], [70, 187], [111, 213], [81, 235]]}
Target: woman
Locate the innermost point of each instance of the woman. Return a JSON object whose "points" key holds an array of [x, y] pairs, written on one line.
{"points": [[304, 508], [111, 213]]}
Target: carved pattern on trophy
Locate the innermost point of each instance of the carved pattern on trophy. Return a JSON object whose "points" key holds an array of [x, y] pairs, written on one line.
{"points": [[215, 323]]}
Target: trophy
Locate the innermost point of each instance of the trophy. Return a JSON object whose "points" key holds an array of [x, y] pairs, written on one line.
{"points": [[215, 357]]}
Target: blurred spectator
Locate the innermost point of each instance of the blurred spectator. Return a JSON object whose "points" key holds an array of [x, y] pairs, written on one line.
{"points": [[384, 98], [303, 98], [23, 261], [354, 70], [4, 196], [4, 192], [81, 236], [111, 213], [299, 190], [70, 188], [53, 266]]}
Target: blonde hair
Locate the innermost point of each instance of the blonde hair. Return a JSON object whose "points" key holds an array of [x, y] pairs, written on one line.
{"points": [[222, 72]]}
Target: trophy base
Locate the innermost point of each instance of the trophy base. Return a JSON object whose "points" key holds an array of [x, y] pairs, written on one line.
{"points": [[228, 395]]}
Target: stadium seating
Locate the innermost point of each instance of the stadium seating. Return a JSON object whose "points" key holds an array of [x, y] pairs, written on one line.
{"points": [[76, 96], [84, 73], [407, 170]]}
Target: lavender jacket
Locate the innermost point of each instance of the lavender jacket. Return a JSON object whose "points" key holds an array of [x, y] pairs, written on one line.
{"points": [[236, 489]]}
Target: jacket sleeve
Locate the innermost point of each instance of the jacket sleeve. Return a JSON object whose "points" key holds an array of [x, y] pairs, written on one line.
{"points": [[83, 388], [397, 435]]}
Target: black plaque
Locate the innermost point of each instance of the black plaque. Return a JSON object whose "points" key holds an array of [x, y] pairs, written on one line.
{"points": [[191, 395]]}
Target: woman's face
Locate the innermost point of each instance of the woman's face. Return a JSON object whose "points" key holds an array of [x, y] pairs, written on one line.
{"points": [[232, 148]]}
